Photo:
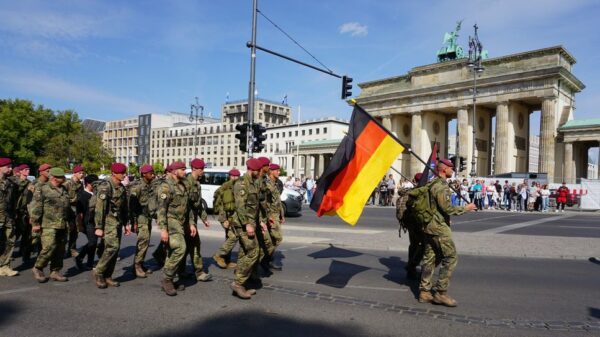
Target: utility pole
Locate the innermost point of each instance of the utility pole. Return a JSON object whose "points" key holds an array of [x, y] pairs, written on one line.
{"points": [[252, 84]]}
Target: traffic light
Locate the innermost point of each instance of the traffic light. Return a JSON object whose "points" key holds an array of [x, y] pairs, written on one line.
{"points": [[346, 87], [242, 136], [463, 163], [259, 137]]}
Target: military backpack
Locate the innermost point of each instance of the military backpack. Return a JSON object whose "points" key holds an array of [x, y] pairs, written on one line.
{"points": [[419, 208]]}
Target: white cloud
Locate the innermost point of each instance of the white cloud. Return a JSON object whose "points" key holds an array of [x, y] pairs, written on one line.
{"points": [[354, 29]]}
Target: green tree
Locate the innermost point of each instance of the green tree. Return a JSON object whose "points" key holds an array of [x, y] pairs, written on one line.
{"points": [[158, 167], [133, 169]]}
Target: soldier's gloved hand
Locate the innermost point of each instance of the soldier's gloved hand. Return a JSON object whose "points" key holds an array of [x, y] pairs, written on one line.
{"points": [[226, 224], [193, 230], [99, 233], [263, 226], [36, 229], [164, 235], [470, 207], [250, 230]]}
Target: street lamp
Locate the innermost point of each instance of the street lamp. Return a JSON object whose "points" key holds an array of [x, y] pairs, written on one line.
{"points": [[475, 53], [196, 118]]}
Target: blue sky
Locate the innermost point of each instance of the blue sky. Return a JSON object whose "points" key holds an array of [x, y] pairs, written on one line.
{"points": [[115, 59]]}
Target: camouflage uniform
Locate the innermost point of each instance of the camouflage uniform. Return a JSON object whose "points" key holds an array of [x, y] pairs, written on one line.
{"points": [[110, 216], [139, 195], [49, 209], [264, 239], [193, 244], [173, 215], [23, 198], [7, 221], [73, 189], [274, 214], [225, 213], [246, 213], [438, 239]]}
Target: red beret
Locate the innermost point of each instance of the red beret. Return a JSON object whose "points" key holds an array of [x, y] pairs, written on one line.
{"points": [[44, 167], [176, 165], [446, 162], [146, 169], [197, 163], [234, 172], [264, 161], [4, 161], [254, 164], [24, 167], [78, 169], [17, 169], [118, 168], [274, 167], [418, 176]]}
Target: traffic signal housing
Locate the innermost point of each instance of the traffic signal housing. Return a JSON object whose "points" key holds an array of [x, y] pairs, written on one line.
{"points": [[242, 136], [259, 137], [346, 87], [463, 163]]}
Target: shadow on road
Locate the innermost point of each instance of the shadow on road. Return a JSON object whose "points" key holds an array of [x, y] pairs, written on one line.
{"points": [[397, 273], [594, 312], [333, 252], [340, 273], [256, 324], [126, 252], [7, 310]]}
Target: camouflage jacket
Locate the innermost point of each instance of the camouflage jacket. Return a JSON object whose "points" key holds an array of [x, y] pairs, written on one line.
{"points": [[263, 203], [50, 207], [273, 200], [173, 209], [195, 193], [24, 194], [8, 191], [111, 205], [246, 201], [73, 189], [440, 194], [140, 193]]}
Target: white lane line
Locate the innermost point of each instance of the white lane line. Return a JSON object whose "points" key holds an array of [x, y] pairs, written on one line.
{"points": [[352, 230], [582, 227], [19, 290], [296, 248], [346, 286], [522, 224]]}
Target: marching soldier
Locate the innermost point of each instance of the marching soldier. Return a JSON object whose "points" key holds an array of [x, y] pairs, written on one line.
{"points": [[23, 198], [110, 217], [49, 211], [7, 218], [43, 178], [245, 224], [438, 239], [275, 214], [139, 212], [193, 244], [173, 217], [224, 206], [86, 204], [74, 186], [264, 236]]}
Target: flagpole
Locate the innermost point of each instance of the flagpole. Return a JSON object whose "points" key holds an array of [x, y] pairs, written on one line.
{"points": [[408, 148]]}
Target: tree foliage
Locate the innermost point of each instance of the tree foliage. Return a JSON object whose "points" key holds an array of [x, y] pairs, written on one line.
{"points": [[35, 135]]}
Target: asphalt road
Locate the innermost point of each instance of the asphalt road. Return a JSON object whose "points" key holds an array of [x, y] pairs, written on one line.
{"points": [[324, 290]]}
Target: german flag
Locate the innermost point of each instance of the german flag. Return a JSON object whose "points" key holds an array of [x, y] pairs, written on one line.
{"points": [[363, 157]]}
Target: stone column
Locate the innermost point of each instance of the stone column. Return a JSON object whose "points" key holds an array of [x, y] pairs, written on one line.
{"points": [[501, 151], [319, 165], [569, 172], [462, 116], [415, 142], [547, 138], [386, 121]]}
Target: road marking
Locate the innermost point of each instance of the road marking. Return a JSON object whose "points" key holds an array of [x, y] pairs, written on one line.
{"points": [[303, 240], [522, 224], [346, 286], [582, 227], [296, 248], [353, 230], [479, 220], [20, 290]]}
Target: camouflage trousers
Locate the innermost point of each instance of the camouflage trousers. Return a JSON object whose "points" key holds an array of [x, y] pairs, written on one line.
{"points": [[143, 239], [192, 245], [176, 249], [53, 249], [227, 246], [270, 240], [7, 244], [439, 249], [247, 257], [24, 229], [112, 243], [72, 234]]}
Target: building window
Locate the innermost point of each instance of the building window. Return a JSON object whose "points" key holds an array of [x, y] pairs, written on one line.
{"points": [[303, 132], [310, 132], [324, 130], [317, 130], [296, 133]]}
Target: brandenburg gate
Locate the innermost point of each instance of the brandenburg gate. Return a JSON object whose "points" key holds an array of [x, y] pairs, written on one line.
{"points": [[418, 106]]}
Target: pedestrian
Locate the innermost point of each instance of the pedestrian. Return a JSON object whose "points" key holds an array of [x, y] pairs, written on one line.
{"points": [[172, 218], [391, 187], [562, 196], [86, 204], [141, 213], [245, 223], [111, 216], [383, 192], [439, 246], [275, 215], [514, 197], [224, 207], [7, 218], [545, 194], [310, 188], [73, 186], [49, 215]]}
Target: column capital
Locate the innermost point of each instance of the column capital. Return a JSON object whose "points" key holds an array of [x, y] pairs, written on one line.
{"points": [[416, 113]]}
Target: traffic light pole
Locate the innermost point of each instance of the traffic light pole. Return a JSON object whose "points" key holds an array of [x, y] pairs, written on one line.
{"points": [[251, 85]]}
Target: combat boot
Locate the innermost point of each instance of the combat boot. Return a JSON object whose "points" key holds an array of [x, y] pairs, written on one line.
{"points": [[99, 279], [139, 271], [38, 274], [112, 283], [168, 287], [240, 291], [275, 265], [55, 275], [220, 261], [425, 296], [251, 291], [231, 265], [146, 270], [441, 297], [7, 271], [203, 277]]}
